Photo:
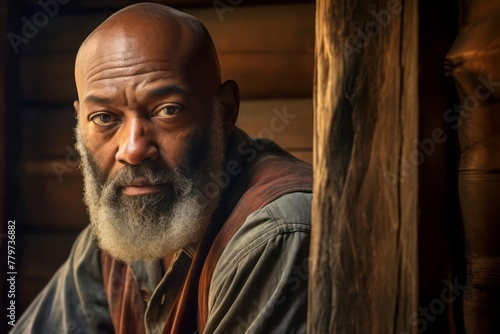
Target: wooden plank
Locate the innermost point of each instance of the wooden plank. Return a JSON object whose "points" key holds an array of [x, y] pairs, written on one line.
{"points": [[261, 29], [54, 202], [288, 29], [96, 4], [363, 268], [270, 75], [64, 34], [306, 155], [48, 133], [116, 4], [42, 254], [286, 121], [49, 79]]}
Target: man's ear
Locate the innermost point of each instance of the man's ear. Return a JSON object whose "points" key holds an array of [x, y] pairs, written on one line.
{"points": [[76, 105], [229, 96]]}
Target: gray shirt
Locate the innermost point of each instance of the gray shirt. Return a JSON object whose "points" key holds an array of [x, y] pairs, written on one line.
{"points": [[259, 284]]}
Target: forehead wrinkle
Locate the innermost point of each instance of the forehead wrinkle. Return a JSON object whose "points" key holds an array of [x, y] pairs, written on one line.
{"points": [[176, 41], [122, 72], [134, 92]]}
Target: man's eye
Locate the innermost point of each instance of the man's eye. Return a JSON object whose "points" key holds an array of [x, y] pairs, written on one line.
{"points": [[103, 119], [169, 111]]}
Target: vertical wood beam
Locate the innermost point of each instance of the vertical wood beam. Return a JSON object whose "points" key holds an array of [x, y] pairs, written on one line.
{"points": [[363, 268]]}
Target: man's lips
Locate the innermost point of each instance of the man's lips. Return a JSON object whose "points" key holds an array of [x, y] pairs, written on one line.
{"points": [[138, 188]]}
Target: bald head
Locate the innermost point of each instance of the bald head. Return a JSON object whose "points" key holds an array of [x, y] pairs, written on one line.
{"points": [[148, 32]]}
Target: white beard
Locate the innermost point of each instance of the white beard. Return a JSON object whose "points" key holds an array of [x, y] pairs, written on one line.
{"points": [[154, 226]]}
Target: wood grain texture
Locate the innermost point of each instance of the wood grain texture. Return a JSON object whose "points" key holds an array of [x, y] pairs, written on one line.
{"points": [[363, 272], [286, 121], [43, 253], [273, 58], [473, 63], [54, 203], [49, 79], [274, 29], [116, 4]]}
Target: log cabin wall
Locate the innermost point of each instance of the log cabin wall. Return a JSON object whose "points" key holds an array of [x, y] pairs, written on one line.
{"points": [[266, 46]]}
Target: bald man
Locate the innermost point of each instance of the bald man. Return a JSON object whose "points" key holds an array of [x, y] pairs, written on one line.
{"points": [[195, 227]]}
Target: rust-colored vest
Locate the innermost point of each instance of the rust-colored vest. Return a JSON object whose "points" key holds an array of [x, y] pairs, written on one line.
{"points": [[270, 174]]}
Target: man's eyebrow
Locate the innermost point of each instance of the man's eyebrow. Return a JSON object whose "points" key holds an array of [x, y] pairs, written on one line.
{"points": [[97, 99], [166, 90], [161, 91]]}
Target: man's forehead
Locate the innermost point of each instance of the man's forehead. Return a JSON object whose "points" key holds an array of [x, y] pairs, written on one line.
{"points": [[145, 42], [132, 42]]}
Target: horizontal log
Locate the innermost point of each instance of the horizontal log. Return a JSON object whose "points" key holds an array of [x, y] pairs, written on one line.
{"points": [[48, 133], [42, 253], [54, 201], [49, 79], [115, 4], [265, 29], [270, 75], [306, 155], [258, 29], [289, 122]]}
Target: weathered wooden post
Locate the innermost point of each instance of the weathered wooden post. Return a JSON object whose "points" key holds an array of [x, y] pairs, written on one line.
{"points": [[473, 63], [363, 268]]}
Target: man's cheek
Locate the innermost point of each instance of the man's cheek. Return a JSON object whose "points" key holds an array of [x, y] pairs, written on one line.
{"points": [[187, 152], [101, 164]]}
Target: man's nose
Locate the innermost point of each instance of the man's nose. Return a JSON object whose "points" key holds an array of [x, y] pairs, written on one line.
{"points": [[136, 143]]}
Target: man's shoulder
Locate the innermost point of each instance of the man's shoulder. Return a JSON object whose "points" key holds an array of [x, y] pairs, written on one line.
{"points": [[289, 212], [283, 223], [272, 236]]}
